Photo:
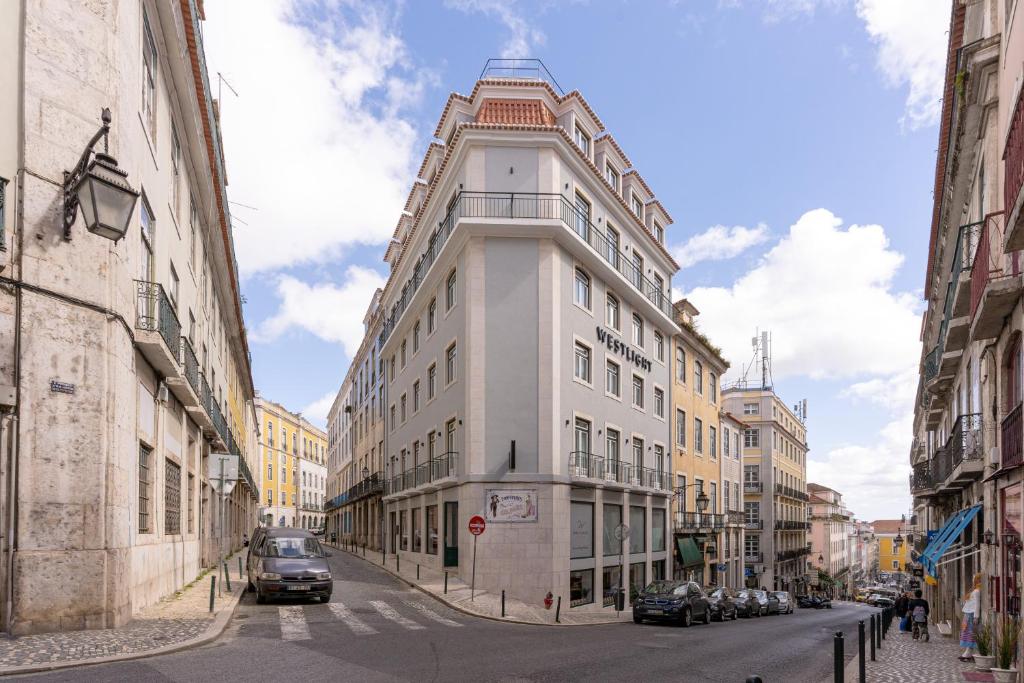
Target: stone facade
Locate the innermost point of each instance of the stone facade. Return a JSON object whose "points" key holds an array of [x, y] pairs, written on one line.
{"points": [[127, 360]]}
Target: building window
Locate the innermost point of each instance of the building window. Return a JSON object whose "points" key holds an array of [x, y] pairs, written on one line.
{"points": [[612, 245], [698, 435], [698, 377], [713, 386], [581, 587], [402, 355], [581, 293], [175, 287], [581, 517], [270, 496], [392, 417], [657, 530], [450, 360], [659, 402], [612, 378], [659, 458], [611, 520], [751, 409], [416, 396], [638, 453], [611, 445], [582, 223], [431, 380], [725, 442], [172, 497], [712, 442], [145, 482], [659, 346], [191, 502], [417, 532], [659, 232], [680, 364], [582, 140], [680, 428], [612, 176], [270, 471], [638, 270], [611, 311], [149, 62], [638, 529], [751, 438], [416, 337], [284, 474], [638, 331], [581, 368], [636, 205], [175, 173], [431, 315], [449, 436], [449, 290], [148, 230], [582, 435], [751, 474], [638, 391], [401, 409], [432, 530]]}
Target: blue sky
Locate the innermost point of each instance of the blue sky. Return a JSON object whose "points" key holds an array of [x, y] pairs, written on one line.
{"points": [[793, 141]]}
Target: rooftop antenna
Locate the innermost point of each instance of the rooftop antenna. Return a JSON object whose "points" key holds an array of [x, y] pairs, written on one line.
{"points": [[223, 81], [761, 363]]}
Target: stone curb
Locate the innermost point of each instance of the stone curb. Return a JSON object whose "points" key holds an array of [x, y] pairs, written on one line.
{"points": [[459, 608], [213, 631]]}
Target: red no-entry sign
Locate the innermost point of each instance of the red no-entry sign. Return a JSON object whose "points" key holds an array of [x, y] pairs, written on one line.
{"points": [[477, 524]]}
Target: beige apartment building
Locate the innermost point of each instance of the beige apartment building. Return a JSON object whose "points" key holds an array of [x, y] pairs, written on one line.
{"points": [[707, 521], [968, 429], [831, 531], [775, 488], [123, 356], [294, 472]]}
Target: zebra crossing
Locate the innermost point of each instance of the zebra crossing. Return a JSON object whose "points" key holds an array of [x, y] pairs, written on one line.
{"points": [[296, 622]]}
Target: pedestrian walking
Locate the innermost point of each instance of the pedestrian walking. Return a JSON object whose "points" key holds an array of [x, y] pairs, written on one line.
{"points": [[917, 612], [902, 604], [971, 607]]}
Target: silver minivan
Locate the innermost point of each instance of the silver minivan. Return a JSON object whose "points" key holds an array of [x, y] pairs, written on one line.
{"points": [[289, 562]]}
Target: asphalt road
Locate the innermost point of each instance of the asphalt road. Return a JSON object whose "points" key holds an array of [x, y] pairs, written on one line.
{"points": [[377, 629]]}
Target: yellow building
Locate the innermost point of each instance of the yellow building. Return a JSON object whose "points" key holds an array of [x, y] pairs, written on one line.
{"points": [[892, 558], [294, 469], [698, 447]]}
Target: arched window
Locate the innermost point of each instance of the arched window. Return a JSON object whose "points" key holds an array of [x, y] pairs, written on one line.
{"points": [[582, 290]]}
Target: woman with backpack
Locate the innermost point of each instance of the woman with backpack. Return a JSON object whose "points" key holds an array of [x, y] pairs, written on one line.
{"points": [[917, 611]]}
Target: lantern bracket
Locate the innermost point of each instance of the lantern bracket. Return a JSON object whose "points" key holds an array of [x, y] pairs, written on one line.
{"points": [[72, 178]]}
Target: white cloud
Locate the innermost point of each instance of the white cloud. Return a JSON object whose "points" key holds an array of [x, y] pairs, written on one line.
{"points": [[719, 243], [895, 392], [873, 478], [316, 412], [524, 36], [912, 39], [826, 295], [316, 139], [331, 312]]}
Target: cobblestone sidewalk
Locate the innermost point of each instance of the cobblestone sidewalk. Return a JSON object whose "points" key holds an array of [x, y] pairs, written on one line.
{"points": [[905, 660], [172, 623], [485, 604]]}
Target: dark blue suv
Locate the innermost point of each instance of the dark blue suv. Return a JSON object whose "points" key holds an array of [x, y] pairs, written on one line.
{"points": [[676, 601]]}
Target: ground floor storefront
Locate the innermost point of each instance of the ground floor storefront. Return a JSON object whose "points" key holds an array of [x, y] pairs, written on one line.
{"points": [[541, 540]]}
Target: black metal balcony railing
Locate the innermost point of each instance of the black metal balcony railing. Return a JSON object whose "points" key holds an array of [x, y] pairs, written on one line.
{"points": [[587, 465], [191, 366], [753, 525], [698, 520], [790, 492], [965, 439], [921, 477], [441, 467], [372, 485], [523, 206], [519, 69], [155, 313], [791, 525], [735, 517], [1010, 429], [444, 466], [752, 487], [784, 555]]}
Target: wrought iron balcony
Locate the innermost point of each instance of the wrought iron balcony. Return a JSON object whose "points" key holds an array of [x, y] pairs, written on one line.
{"points": [[753, 525], [1013, 158], [190, 365], [753, 487], [790, 525], [692, 521], [921, 478], [586, 465], [519, 206], [158, 330], [753, 558], [1011, 439], [995, 282], [790, 492], [372, 485], [734, 518]]}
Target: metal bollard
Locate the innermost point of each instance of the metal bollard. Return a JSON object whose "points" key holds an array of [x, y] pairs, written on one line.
{"points": [[446, 583], [558, 610], [213, 589], [872, 637], [398, 563], [862, 669], [227, 577], [417, 572], [754, 679], [502, 603], [837, 657], [239, 567], [878, 629], [364, 550]]}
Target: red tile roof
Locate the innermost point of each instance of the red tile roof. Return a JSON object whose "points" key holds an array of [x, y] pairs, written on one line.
{"points": [[888, 526], [517, 111]]}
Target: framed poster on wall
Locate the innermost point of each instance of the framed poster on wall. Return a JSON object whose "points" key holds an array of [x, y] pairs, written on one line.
{"points": [[510, 505]]}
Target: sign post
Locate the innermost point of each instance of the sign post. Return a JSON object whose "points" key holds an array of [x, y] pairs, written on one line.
{"points": [[477, 524], [621, 533], [223, 469]]}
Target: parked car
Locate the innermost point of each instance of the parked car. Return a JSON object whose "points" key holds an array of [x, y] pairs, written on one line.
{"points": [[722, 604], [884, 602], [289, 561], [769, 604], [747, 604], [785, 602], [677, 601]]}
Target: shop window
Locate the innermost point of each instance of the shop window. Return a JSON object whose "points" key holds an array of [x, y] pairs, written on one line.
{"points": [[581, 587]]}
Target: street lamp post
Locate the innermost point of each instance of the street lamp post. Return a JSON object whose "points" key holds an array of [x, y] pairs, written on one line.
{"points": [[702, 505]]}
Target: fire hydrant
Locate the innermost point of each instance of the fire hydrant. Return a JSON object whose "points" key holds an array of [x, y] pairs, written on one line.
{"points": [[548, 600]]}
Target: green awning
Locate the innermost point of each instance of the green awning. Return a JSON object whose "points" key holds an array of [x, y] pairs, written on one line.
{"points": [[689, 552]]}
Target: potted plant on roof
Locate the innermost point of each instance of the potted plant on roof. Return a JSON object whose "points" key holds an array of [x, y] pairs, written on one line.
{"points": [[1005, 648], [984, 660]]}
